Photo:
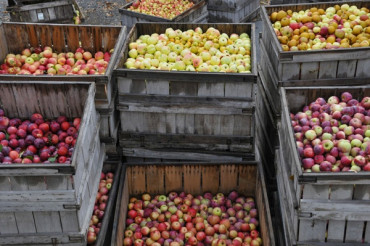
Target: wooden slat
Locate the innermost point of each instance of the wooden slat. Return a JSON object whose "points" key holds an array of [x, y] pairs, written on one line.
{"points": [[336, 228], [313, 230], [155, 180], [192, 179], [72, 37], [97, 35], [45, 34], [58, 38], [136, 180], [173, 178], [25, 222], [210, 179], [86, 36], [8, 223], [69, 221], [228, 175], [246, 180], [47, 222]]}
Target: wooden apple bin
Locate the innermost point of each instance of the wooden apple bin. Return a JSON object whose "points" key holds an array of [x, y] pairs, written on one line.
{"points": [[325, 208], [196, 14], [208, 113], [49, 203], [195, 178], [43, 11]]}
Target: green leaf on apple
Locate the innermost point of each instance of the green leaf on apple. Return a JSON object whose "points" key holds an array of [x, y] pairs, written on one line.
{"points": [[53, 159]]}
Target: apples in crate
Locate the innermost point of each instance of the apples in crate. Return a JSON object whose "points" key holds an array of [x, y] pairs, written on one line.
{"points": [[192, 50], [37, 140], [39, 61], [168, 9], [180, 218], [333, 134]]}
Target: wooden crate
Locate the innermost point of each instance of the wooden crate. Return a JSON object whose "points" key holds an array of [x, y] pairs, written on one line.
{"points": [[165, 79], [14, 37], [232, 11], [271, 83], [196, 14], [313, 64], [61, 11], [336, 204], [48, 203], [186, 147], [165, 110], [104, 234], [275, 2], [195, 178]]}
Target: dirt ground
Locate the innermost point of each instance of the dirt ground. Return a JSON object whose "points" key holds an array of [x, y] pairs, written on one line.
{"points": [[95, 12]]}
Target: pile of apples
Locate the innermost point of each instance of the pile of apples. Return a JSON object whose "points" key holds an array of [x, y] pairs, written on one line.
{"points": [[37, 140], [191, 50], [340, 26], [38, 61], [105, 184], [184, 219], [168, 9], [334, 135]]}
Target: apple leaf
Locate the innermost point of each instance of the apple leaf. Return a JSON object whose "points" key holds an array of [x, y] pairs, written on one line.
{"points": [[1, 147], [20, 155], [53, 159], [6, 136]]}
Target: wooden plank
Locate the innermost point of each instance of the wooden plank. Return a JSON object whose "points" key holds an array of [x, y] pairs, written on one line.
{"points": [[25, 222], [189, 124], [179, 155], [8, 223], [157, 87], [247, 178], [328, 69], [47, 222], [155, 180], [227, 125], [16, 37], [86, 38], [173, 178], [210, 178], [199, 124], [228, 177], [290, 71], [72, 37], [45, 34], [136, 180], [362, 69], [180, 88], [241, 125], [192, 179], [313, 230], [211, 89], [5, 184], [58, 39], [170, 123], [239, 89], [132, 121], [346, 68], [97, 37], [309, 70], [336, 228], [355, 229]]}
